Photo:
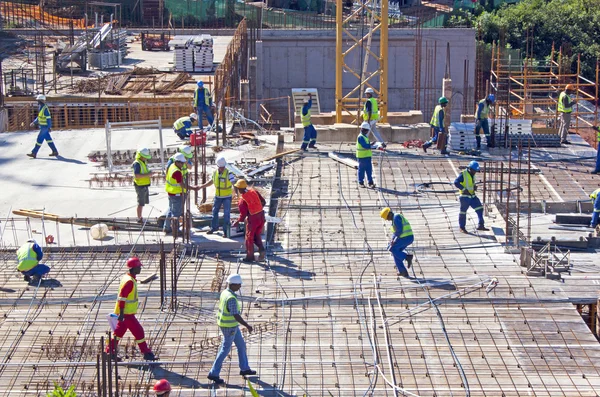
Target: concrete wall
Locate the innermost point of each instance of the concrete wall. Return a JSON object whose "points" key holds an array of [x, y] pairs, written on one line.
{"points": [[306, 59]]}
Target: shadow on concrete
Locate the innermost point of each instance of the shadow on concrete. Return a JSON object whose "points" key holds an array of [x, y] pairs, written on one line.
{"points": [[443, 284], [63, 159], [48, 283], [287, 271], [269, 389], [7, 290], [174, 378], [395, 192]]}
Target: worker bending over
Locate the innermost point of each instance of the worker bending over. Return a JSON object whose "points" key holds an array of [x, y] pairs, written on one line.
{"points": [[481, 121], [310, 133], [401, 239], [223, 181], [141, 180], [29, 256], [44, 121], [595, 196], [467, 187], [183, 125], [437, 125], [251, 206], [565, 108], [203, 104]]}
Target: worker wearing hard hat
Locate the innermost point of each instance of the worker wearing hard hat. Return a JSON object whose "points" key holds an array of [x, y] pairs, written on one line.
{"points": [[481, 120], [310, 133], [364, 153], [183, 125], [595, 196], [228, 319], [370, 109], [126, 309], [29, 256], [223, 180], [402, 237], [437, 124], [467, 186], [44, 121], [175, 186], [162, 388], [251, 206], [203, 103], [597, 169], [188, 153], [565, 108], [141, 180]]}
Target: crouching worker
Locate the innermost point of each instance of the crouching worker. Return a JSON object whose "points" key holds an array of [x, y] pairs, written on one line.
{"points": [[29, 256]]}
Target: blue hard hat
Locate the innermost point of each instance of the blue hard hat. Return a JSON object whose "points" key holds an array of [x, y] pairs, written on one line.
{"points": [[474, 165], [200, 83], [491, 98]]}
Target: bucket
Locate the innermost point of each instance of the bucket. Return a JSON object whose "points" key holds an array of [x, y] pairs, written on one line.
{"points": [[198, 138]]}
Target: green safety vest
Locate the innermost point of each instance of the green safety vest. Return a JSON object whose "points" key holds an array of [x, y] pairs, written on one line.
{"points": [[561, 107], [224, 319], [361, 152], [598, 134], [131, 301], [206, 96], [468, 183], [184, 167], [374, 110], [27, 257], [179, 122], [306, 119], [172, 186], [222, 183], [42, 119], [436, 117], [406, 229], [594, 194], [144, 180], [484, 111]]}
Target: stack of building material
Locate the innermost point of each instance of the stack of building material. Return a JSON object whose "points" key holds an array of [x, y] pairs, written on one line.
{"points": [[193, 53], [203, 53], [462, 136], [183, 57], [520, 133]]}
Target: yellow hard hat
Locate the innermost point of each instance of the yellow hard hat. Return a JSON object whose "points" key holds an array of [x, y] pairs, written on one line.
{"points": [[385, 212], [241, 184]]}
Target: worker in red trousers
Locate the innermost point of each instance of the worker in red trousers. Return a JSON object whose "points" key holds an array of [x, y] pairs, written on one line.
{"points": [[126, 308], [251, 206]]}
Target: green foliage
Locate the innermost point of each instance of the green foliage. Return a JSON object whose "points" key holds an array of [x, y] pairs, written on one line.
{"points": [[59, 392]]}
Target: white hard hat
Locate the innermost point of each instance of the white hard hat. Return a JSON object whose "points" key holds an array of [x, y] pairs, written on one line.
{"points": [[234, 279], [41, 97], [194, 116], [144, 152], [221, 162], [187, 151], [369, 91], [365, 126], [32, 241], [179, 157]]}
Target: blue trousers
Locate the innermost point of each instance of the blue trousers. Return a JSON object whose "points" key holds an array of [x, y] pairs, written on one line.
{"points": [[598, 160], [465, 203], [217, 203], [436, 132], [183, 132], [310, 137], [596, 214], [44, 135], [398, 252], [206, 110], [365, 166], [230, 336], [483, 124], [175, 211], [38, 271]]}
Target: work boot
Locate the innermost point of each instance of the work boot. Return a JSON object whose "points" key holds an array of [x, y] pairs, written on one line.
{"points": [[216, 379], [409, 259], [248, 372], [483, 228], [261, 255], [426, 146], [478, 140], [594, 172], [566, 142], [361, 184], [27, 278], [248, 259], [211, 231], [372, 185], [32, 155], [149, 356], [463, 230], [404, 274], [54, 154]]}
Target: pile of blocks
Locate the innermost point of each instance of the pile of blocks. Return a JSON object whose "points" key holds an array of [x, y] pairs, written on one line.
{"points": [[461, 137], [193, 53]]}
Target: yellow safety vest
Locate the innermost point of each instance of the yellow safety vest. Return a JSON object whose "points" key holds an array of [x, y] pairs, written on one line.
{"points": [[27, 257], [468, 183], [131, 301], [179, 122], [361, 152], [484, 111], [561, 107], [172, 186], [184, 167], [306, 119], [206, 96], [224, 319], [598, 134], [435, 119], [374, 110], [42, 119], [144, 180], [595, 194], [222, 183], [406, 228]]}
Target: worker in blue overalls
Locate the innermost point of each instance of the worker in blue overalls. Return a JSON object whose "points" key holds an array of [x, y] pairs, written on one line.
{"points": [[310, 133], [44, 121], [402, 238], [364, 153], [437, 124], [481, 120], [467, 187], [595, 196], [203, 104]]}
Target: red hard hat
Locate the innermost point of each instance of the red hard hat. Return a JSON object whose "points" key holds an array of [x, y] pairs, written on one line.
{"points": [[162, 386], [133, 262]]}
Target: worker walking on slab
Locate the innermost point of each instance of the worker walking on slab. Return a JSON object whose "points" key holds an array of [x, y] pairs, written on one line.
{"points": [[203, 104], [141, 180], [44, 121], [29, 256], [467, 187], [597, 169], [437, 124], [228, 319], [481, 121], [251, 205], [310, 133], [223, 180], [364, 154], [183, 125], [126, 309], [401, 239], [162, 388], [565, 108], [595, 196], [175, 186], [371, 113]]}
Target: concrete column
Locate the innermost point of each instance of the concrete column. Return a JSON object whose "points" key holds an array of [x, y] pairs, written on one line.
{"points": [[260, 62], [245, 96]]}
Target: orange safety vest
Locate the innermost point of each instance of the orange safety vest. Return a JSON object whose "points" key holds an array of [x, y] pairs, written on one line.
{"points": [[252, 199]]}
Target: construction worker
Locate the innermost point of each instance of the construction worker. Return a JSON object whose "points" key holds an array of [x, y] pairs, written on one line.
{"points": [[364, 154], [597, 169], [223, 180], [44, 121], [126, 308], [565, 108], [402, 238], [175, 187], [162, 388], [467, 187], [371, 113], [228, 319], [141, 180], [183, 125], [310, 133], [188, 153], [29, 256], [251, 206], [595, 196], [203, 104], [481, 120], [437, 124]]}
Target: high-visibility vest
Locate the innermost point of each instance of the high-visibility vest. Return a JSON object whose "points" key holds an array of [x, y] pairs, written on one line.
{"points": [[561, 106], [224, 318], [306, 119], [468, 183], [435, 119], [131, 301], [374, 110], [184, 167], [361, 152], [27, 257], [252, 199], [484, 112], [179, 123], [406, 228], [593, 196], [42, 119], [172, 186], [222, 183], [143, 180], [598, 134], [206, 96]]}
